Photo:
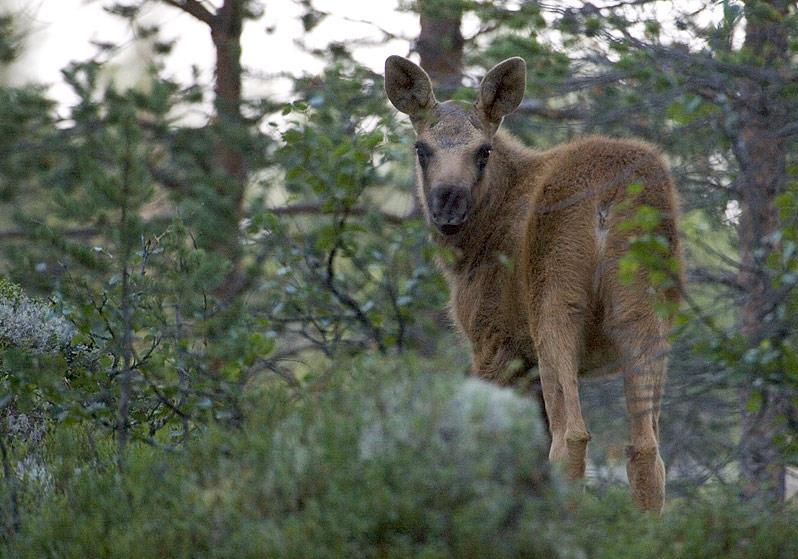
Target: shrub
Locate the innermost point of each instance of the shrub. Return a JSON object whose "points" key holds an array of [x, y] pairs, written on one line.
{"points": [[30, 324], [372, 460], [376, 464], [712, 525]]}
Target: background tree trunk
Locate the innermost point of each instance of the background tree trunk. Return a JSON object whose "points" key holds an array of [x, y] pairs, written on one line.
{"points": [[761, 156], [440, 43], [226, 35], [226, 25]]}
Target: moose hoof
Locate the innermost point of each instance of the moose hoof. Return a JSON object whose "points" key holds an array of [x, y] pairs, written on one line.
{"points": [[577, 455], [646, 473]]}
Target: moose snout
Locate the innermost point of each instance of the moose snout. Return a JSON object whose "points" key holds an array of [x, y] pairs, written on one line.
{"points": [[449, 207]]}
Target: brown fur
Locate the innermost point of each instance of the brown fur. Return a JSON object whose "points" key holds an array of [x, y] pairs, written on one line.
{"points": [[534, 278]]}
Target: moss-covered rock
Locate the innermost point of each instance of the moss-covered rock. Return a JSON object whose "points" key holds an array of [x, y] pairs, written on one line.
{"points": [[413, 463]]}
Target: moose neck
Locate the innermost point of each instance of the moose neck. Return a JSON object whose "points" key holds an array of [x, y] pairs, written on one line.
{"points": [[499, 207]]}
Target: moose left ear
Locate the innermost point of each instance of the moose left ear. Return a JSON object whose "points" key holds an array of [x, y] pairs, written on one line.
{"points": [[502, 89]]}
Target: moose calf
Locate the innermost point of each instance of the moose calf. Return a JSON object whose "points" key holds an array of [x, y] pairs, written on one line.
{"points": [[537, 244]]}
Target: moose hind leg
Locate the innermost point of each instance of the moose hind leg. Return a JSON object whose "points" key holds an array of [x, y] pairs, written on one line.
{"points": [[644, 366], [558, 350]]}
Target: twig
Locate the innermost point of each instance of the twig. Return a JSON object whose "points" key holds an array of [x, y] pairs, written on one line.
{"points": [[79, 233], [786, 130], [311, 208], [538, 108], [347, 301], [12, 484]]}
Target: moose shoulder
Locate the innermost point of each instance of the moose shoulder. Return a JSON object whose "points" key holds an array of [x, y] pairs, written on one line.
{"points": [[537, 238]]}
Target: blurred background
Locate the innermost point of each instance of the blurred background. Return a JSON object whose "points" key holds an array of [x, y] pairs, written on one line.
{"points": [[206, 203]]}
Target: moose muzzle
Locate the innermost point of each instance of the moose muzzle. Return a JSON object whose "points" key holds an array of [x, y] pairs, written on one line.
{"points": [[449, 208]]}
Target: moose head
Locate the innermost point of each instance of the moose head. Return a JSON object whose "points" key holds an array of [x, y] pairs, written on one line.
{"points": [[454, 138]]}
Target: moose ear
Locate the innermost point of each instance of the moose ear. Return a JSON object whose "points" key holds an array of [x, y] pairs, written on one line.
{"points": [[502, 89], [408, 86]]}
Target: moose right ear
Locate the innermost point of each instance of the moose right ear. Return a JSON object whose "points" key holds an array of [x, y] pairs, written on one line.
{"points": [[408, 87]]}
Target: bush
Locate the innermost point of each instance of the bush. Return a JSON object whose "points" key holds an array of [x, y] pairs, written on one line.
{"points": [[373, 460], [374, 464], [30, 324], [712, 525]]}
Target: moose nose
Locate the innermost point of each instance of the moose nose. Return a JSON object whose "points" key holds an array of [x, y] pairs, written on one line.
{"points": [[449, 206]]}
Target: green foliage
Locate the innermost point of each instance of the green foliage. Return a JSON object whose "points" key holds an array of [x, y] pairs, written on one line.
{"points": [[9, 38], [9, 291], [649, 257], [715, 525], [277, 418], [349, 265], [149, 329], [380, 459], [26, 127], [381, 462]]}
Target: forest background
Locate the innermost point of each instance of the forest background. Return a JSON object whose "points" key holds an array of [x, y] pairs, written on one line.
{"points": [[222, 330]]}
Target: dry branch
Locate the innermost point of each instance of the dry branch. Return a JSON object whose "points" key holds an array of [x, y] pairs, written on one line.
{"points": [[195, 9]]}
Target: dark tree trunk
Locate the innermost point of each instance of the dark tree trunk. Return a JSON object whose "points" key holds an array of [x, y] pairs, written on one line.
{"points": [[225, 25], [440, 43], [761, 156], [226, 35]]}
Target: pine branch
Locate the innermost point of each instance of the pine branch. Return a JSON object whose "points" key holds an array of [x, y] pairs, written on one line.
{"points": [[787, 130]]}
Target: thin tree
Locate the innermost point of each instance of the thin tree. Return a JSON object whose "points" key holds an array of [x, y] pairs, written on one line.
{"points": [[225, 25], [440, 43], [761, 149]]}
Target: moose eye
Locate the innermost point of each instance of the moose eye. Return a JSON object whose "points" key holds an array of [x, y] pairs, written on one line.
{"points": [[424, 153], [483, 153]]}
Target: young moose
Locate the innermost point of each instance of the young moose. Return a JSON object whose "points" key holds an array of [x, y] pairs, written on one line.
{"points": [[555, 216]]}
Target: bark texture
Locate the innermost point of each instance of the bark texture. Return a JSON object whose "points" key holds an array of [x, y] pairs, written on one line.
{"points": [[440, 43], [761, 155], [225, 25], [226, 35]]}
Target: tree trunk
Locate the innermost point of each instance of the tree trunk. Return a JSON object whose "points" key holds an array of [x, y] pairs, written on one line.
{"points": [[440, 43], [222, 237], [762, 157], [226, 35]]}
